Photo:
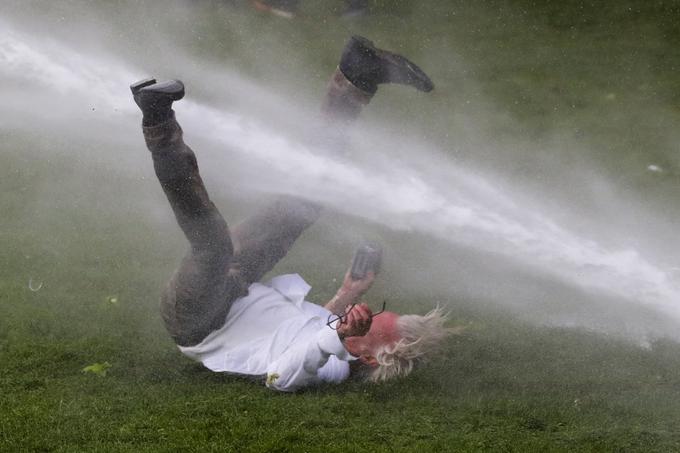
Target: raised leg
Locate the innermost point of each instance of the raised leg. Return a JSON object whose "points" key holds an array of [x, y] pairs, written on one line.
{"points": [[198, 297], [263, 239]]}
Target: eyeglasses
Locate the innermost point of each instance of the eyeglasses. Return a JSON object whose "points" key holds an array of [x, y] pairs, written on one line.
{"points": [[341, 319]]}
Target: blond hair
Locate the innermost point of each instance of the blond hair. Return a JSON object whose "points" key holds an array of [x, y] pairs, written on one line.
{"points": [[420, 335]]}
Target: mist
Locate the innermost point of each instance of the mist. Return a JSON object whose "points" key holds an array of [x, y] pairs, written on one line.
{"points": [[471, 221]]}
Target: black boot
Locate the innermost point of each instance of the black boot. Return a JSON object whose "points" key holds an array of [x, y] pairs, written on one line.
{"points": [[367, 66], [155, 99]]}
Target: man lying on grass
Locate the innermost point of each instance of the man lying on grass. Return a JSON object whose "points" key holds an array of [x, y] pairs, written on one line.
{"points": [[214, 307]]}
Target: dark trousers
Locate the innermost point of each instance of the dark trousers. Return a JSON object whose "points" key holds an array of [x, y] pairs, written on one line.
{"points": [[222, 263]]}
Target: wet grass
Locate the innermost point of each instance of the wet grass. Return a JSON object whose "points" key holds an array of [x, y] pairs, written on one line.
{"points": [[95, 260]]}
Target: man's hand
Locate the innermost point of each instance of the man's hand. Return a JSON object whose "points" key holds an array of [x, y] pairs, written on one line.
{"points": [[357, 323], [350, 292], [355, 289]]}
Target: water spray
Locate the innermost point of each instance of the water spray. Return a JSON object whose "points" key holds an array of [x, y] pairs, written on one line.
{"points": [[461, 208]]}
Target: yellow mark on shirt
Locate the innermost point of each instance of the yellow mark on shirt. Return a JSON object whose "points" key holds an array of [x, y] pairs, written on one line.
{"points": [[271, 378]]}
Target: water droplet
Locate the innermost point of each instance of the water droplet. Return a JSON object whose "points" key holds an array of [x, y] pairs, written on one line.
{"points": [[34, 285]]}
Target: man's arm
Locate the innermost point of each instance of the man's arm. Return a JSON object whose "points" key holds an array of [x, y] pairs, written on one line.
{"points": [[349, 293], [299, 365]]}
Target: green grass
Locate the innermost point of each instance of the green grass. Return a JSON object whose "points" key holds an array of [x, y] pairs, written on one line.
{"points": [[503, 385]]}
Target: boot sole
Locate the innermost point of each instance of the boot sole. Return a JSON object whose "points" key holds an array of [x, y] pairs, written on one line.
{"points": [[405, 71], [135, 87], [172, 89]]}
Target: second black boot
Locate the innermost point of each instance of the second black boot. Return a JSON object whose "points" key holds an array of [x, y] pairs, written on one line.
{"points": [[366, 67], [155, 99]]}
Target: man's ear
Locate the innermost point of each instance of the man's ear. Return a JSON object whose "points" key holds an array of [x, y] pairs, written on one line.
{"points": [[368, 360]]}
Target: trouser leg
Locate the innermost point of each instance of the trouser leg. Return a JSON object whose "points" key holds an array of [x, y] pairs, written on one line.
{"points": [[198, 297], [264, 238], [343, 102]]}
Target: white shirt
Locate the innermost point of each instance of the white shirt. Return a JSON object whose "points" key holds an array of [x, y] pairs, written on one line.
{"points": [[274, 332]]}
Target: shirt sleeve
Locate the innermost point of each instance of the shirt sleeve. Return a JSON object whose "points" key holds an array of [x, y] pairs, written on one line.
{"points": [[299, 365], [334, 371]]}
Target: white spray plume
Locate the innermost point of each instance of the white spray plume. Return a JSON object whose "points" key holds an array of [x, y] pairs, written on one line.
{"points": [[460, 207]]}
